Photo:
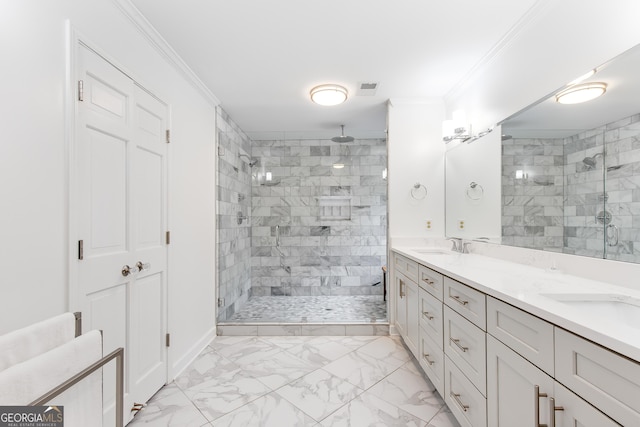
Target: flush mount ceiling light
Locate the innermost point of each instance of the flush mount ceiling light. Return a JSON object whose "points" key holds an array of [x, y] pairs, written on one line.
{"points": [[581, 93], [329, 94]]}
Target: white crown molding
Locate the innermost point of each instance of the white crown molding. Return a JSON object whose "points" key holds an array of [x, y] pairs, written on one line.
{"points": [[161, 46], [500, 46], [415, 101]]}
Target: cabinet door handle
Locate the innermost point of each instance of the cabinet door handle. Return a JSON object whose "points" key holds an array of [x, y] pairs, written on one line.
{"points": [[426, 357], [552, 411], [456, 398], [459, 300], [427, 315], [401, 288], [457, 343], [536, 405]]}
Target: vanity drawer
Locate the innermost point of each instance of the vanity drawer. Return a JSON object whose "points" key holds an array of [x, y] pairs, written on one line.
{"points": [[607, 380], [466, 301], [431, 358], [406, 266], [465, 402], [431, 316], [526, 334], [466, 345], [431, 281]]}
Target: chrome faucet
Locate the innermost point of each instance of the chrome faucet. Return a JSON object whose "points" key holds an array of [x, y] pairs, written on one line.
{"points": [[459, 245]]}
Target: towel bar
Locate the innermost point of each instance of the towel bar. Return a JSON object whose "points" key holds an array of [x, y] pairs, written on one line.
{"points": [[117, 354]]}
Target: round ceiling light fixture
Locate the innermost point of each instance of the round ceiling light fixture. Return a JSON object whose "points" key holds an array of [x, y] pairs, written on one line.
{"points": [[329, 94], [581, 93]]}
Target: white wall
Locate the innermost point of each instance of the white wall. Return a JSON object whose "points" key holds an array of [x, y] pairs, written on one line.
{"points": [[416, 154], [33, 165]]}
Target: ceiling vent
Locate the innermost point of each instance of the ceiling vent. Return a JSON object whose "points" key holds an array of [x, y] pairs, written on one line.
{"points": [[367, 88]]}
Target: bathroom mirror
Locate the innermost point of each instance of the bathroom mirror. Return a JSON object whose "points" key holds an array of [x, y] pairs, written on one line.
{"points": [[571, 173], [473, 188]]}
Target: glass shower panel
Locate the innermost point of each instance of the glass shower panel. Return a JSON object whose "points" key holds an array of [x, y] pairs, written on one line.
{"points": [[622, 181]]}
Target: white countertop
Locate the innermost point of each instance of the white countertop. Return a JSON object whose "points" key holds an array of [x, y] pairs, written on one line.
{"points": [[525, 287]]}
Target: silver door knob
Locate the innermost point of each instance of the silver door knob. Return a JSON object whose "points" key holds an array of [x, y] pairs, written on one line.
{"points": [[126, 270], [142, 266]]}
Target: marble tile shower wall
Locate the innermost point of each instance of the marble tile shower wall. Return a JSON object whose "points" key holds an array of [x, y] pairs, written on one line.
{"points": [[234, 195], [532, 193], [332, 222], [555, 205]]}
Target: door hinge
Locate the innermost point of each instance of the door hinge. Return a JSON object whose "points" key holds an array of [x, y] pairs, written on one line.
{"points": [[80, 90], [168, 340], [168, 237], [168, 135], [80, 250], [220, 302]]}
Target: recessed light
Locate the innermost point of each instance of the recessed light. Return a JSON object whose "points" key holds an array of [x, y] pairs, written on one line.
{"points": [[338, 165], [581, 93], [329, 94]]}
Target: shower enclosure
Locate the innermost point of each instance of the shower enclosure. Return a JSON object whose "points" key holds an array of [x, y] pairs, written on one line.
{"points": [[302, 229]]}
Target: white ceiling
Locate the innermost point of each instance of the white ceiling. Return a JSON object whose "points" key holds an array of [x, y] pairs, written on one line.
{"points": [[261, 58]]}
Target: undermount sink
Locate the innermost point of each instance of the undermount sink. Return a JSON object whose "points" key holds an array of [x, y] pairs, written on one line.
{"points": [[613, 307], [433, 251]]}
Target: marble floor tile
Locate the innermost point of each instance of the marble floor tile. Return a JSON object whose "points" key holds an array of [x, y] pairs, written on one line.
{"points": [[319, 393], [169, 407], [321, 351], [277, 370], [410, 391], [268, 411], [249, 351], [370, 363], [368, 410], [299, 381]]}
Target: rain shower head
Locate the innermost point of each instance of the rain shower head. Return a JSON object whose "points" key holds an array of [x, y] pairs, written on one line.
{"points": [[342, 137], [591, 161]]}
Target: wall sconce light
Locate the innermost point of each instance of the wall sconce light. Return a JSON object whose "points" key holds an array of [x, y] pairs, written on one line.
{"points": [[384, 174], [456, 128]]}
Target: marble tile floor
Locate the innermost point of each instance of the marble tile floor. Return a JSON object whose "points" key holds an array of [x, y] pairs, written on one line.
{"points": [[299, 381], [312, 309]]}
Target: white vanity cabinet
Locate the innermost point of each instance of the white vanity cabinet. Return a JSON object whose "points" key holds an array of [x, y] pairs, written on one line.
{"points": [[520, 394], [497, 365], [405, 278]]}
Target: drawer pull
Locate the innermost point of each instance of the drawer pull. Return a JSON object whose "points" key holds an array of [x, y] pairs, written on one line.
{"points": [[426, 357], [456, 398], [428, 281], [427, 315], [459, 300], [552, 411], [536, 405], [457, 343]]}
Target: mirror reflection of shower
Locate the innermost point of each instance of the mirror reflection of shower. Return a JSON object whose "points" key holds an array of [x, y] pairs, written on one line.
{"points": [[590, 162], [250, 161]]}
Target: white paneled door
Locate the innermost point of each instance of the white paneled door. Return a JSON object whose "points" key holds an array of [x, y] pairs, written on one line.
{"points": [[121, 177]]}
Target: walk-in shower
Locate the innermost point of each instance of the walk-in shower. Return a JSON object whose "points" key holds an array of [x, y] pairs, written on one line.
{"points": [[313, 244]]}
